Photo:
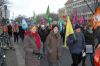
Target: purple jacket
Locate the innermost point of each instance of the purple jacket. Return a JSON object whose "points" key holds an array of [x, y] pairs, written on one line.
{"points": [[79, 45]]}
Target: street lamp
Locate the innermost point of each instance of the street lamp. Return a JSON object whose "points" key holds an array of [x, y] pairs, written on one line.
{"points": [[1, 5], [5, 8], [1, 2]]}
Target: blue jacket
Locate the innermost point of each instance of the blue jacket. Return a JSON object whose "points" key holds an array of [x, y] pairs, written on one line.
{"points": [[79, 45]]}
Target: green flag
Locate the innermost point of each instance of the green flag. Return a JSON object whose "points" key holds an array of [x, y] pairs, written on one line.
{"points": [[50, 20], [34, 17], [34, 14], [47, 13]]}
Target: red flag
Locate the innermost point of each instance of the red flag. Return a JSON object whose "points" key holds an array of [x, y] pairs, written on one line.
{"points": [[97, 57], [64, 18]]}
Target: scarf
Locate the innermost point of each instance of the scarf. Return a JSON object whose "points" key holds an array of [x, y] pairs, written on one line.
{"points": [[27, 33], [37, 39]]}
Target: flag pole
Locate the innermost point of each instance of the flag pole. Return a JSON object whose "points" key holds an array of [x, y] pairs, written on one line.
{"points": [[89, 7]]}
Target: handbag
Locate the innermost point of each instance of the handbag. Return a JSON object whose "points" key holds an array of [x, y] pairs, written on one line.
{"points": [[89, 48]]}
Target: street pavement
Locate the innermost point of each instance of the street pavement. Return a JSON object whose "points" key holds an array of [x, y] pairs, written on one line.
{"points": [[16, 58], [11, 59], [65, 60]]}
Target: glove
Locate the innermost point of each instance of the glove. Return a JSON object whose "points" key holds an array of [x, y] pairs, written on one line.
{"points": [[83, 54]]}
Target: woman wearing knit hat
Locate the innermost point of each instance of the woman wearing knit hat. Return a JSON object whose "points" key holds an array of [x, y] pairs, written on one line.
{"points": [[32, 47]]}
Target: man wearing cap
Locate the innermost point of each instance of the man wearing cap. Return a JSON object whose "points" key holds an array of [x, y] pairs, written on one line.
{"points": [[76, 43]]}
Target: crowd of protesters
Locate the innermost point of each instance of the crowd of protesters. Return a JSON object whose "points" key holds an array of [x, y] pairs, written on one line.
{"points": [[47, 41]]}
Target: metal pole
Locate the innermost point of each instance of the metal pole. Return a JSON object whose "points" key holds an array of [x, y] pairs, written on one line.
{"points": [[98, 3], [89, 7], [95, 3], [5, 8], [5, 14]]}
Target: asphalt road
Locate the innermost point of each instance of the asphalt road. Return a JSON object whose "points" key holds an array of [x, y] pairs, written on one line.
{"points": [[16, 58]]}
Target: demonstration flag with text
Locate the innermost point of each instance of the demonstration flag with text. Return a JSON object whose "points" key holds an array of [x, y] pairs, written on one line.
{"points": [[69, 30]]}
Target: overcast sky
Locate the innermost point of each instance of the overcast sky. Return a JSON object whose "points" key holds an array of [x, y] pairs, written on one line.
{"points": [[26, 7]]}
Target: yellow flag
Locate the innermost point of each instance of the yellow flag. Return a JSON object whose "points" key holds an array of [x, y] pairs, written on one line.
{"points": [[69, 30]]}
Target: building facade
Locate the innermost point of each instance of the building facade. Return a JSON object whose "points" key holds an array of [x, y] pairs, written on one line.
{"points": [[62, 12], [5, 13], [80, 8]]}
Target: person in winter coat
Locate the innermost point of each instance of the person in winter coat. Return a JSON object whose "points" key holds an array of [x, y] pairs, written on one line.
{"points": [[21, 33], [4, 29], [53, 43], [90, 40], [15, 32], [76, 45], [32, 47], [49, 28], [43, 34], [10, 30], [63, 33]]}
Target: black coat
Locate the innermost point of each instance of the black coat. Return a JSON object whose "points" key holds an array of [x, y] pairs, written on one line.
{"points": [[63, 34], [89, 37], [21, 31], [9, 28], [43, 34]]}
